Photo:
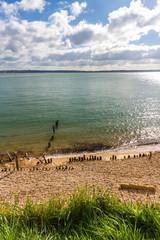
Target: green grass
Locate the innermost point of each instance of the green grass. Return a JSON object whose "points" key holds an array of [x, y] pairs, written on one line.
{"points": [[88, 214]]}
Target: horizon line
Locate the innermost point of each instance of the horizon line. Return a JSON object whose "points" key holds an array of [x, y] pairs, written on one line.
{"points": [[74, 71]]}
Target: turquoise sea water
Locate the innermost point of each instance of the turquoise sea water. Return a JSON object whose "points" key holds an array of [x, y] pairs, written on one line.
{"points": [[100, 110]]}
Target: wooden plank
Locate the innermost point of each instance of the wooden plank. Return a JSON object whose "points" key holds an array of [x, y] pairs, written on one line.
{"points": [[139, 187]]}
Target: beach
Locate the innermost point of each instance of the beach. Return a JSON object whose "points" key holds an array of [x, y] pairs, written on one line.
{"points": [[61, 178]]}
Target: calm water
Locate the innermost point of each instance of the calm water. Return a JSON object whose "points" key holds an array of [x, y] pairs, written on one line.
{"points": [[103, 109]]}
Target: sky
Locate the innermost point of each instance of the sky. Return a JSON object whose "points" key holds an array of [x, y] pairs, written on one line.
{"points": [[80, 35]]}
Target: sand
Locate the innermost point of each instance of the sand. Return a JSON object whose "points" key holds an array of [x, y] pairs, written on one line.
{"points": [[108, 174]]}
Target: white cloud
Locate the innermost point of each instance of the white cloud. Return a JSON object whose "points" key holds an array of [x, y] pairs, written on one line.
{"points": [[33, 5], [76, 8], [84, 33], [62, 3], [8, 9], [129, 24], [61, 20], [58, 43], [25, 5]]}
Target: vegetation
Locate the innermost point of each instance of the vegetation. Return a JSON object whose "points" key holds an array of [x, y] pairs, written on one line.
{"points": [[87, 214]]}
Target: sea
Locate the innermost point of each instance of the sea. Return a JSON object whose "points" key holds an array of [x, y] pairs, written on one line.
{"points": [[95, 110]]}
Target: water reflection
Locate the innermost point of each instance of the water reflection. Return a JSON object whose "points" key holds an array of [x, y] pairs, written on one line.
{"points": [[150, 77]]}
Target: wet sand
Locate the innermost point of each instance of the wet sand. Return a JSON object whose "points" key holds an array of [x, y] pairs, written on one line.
{"points": [[62, 178]]}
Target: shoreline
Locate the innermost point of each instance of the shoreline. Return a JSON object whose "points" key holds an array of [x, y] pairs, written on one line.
{"points": [[62, 156], [107, 154]]}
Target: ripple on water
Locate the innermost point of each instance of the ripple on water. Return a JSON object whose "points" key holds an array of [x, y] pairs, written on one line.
{"points": [[94, 109]]}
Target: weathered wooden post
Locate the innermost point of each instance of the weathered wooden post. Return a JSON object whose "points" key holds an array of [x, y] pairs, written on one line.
{"points": [[150, 155], [49, 145], [52, 138], [17, 163]]}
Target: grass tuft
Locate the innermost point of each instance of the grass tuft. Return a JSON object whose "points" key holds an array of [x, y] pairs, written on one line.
{"points": [[89, 213]]}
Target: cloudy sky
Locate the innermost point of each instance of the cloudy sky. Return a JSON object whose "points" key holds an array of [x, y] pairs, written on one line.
{"points": [[80, 35]]}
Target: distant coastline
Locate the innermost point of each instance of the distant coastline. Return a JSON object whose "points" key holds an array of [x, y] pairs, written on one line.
{"points": [[75, 71]]}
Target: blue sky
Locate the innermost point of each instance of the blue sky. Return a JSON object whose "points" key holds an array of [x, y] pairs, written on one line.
{"points": [[80, 35]]}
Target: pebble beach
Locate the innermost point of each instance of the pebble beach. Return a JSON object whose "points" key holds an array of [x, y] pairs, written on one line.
{"points": [[39, 180]]}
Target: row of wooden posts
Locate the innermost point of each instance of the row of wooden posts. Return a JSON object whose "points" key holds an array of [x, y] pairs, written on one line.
{"points": [[114, 157], [24, 169], [45, 161], [91, 157], [55, 126], [64, 167], [80, 159], [140, 155], [74, 159]]}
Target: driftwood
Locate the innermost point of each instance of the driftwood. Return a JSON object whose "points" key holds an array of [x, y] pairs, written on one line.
{"points": [[137, 187], [9, 156]]}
